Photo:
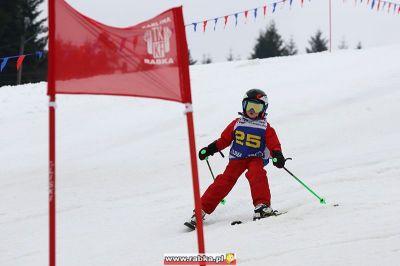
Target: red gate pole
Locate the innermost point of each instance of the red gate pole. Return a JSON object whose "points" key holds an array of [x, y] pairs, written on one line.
{"points": [[195, 177], [187, 100], [52, 135], [52, 181]]}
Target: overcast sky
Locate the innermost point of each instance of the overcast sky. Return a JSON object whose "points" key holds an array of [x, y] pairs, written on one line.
{"points": [[351, 20]]}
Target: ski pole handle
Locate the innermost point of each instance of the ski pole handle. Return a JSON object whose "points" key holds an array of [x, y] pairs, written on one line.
{"points": [[220, 152]]}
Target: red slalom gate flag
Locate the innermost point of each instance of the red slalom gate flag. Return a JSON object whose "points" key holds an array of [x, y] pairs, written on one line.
{"points": [[147, 60]]}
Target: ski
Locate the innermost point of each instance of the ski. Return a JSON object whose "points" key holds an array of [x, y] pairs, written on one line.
{"points": [[190, 225], [276, 213]]}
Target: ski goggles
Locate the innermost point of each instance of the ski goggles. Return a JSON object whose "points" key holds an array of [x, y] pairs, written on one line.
{"points": [[256, 106]]}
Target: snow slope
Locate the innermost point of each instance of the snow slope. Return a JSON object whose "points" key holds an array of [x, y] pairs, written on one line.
{"points": [[123, 171]]}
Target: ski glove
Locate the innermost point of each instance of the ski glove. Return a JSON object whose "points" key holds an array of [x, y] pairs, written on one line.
{"points": [[208, 151], [278, 159]]}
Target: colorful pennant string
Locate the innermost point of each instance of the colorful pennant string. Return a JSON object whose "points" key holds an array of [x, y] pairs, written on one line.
{"points": [[20, 59], [379, 4], [237, 14]]}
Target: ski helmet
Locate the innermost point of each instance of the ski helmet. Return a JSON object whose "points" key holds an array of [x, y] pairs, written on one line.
{"points": [[255, 95]]}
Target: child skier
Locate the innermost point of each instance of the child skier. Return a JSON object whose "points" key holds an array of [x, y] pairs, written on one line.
{"points": [[252, 141]]}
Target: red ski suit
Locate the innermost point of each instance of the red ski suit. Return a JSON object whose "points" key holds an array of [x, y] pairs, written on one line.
{"points": [[256, 174]]}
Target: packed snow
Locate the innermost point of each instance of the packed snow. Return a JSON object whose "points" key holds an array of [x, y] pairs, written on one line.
{"points": [[124, 185]]}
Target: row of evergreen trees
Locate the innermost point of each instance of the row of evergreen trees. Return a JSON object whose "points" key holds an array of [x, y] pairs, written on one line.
{"points": [[271, 44], [22, 31]]}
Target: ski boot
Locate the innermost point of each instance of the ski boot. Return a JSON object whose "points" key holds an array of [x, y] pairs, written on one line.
{"points": [[192, 223], [262, 210]]}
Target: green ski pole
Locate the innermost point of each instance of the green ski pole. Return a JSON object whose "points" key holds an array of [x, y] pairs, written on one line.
{"points": [[321, 200], [223, 201]]}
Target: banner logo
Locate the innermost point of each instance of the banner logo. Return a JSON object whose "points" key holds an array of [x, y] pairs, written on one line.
{"points": [[158, 45]]}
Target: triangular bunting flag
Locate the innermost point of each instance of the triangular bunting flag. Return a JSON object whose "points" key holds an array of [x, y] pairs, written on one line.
{"points": [[39, 54], [3, 64], [226, 20], [19, 61], [204, 25]]}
